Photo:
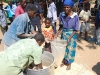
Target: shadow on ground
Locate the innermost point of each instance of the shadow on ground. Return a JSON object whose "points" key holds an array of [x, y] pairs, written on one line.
{"points": [[96, 68], [91, 44]]}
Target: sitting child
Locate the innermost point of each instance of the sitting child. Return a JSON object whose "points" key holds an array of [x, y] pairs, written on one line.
{"points": [[48, 34]]}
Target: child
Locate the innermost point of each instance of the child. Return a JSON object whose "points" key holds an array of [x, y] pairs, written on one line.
{"points": [[3, 21], [48, 34], [85, 24]]}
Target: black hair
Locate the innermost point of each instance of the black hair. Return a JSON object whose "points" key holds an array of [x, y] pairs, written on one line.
{"points": [[20, 1], [31, 7], [39, 37], [48, 19], [87, 4]]}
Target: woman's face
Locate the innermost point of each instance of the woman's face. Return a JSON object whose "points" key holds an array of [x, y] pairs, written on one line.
{"points": [[67, 9]]}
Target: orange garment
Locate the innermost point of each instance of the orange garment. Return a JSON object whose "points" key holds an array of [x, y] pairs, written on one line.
{"points": [[48, 32]]}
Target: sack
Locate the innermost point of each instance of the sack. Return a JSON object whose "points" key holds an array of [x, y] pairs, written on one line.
{"points": [[58, 50]]}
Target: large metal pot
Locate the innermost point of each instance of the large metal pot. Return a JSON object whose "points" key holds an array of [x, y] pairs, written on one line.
{"points": [[48, 61]]}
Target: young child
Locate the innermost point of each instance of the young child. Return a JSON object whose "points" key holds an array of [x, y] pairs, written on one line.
{"points": [[84, 16], [48, 34], [3, 21]]}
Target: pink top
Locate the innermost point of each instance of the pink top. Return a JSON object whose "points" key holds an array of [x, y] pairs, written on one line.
{"points": [[19, 10]]}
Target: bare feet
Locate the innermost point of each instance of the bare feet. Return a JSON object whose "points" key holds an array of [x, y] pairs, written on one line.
{"points": [[62, 65], [68, 67]]}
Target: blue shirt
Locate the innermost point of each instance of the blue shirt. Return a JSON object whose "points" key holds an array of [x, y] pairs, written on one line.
{"points": [[11, 11], [71, 22], [97, 21], [20, 25]]}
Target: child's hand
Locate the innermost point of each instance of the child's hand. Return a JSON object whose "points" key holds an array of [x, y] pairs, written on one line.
{"points": [[55, 36]]}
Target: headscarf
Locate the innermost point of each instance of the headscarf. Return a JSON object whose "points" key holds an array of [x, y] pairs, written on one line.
{"points": [[68, 3]]}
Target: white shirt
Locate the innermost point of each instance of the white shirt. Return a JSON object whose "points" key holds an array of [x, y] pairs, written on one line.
{"points": [[52, 12], [85, 15]]}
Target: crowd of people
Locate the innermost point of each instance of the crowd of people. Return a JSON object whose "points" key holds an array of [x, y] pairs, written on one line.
{"points": [[22, 40]]}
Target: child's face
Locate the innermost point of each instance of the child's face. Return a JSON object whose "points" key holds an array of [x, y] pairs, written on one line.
{"points": [[47, 23], [87, 7]]}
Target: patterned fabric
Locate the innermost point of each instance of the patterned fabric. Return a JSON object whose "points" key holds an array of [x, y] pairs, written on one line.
{"points": [[19, 55], [48, 32], [71, 47]]}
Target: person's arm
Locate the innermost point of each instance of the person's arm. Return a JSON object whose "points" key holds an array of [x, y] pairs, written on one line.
{"points": [[21, 29], [81, 15], [74, 32], [37, 55], [41, 13], [40, 66], [25, 35], [41, 18]]}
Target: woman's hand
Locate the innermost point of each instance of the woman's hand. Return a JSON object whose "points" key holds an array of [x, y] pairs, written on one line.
{"points": [[68, 41]]}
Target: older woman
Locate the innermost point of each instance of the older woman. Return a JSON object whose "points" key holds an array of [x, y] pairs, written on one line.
{"points": [[69, 24]]}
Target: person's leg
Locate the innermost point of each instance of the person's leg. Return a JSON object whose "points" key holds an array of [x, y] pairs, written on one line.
{"points": [[54, 27], [85, 35], [82, 29], [68, 67], [80, 34]]}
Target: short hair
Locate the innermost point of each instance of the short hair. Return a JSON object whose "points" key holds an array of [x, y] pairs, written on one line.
{"points": [[31, 7], [48, 19], [39, 37]]}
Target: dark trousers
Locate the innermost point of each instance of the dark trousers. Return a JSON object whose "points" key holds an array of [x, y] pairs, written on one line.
{"points": [[36, 23]]}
